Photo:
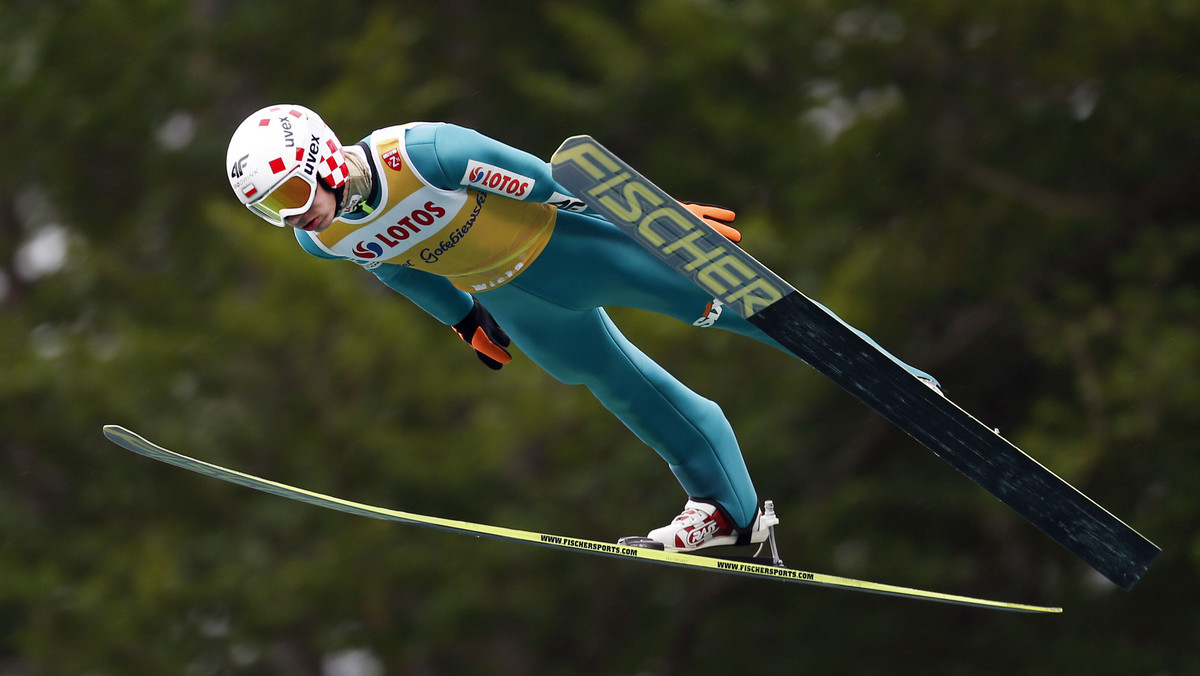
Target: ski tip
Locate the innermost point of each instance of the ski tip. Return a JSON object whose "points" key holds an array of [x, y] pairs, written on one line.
{"points": [[116, 432]]}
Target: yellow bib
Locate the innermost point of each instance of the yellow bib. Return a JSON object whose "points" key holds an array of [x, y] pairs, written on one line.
{"points": [[475, 239]]}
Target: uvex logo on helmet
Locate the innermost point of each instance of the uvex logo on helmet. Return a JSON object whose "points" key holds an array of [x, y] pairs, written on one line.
{"points": [[310, 163], [289, 141]]}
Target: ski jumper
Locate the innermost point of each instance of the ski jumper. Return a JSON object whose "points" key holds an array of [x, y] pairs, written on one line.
{"points": [[454, 215]]}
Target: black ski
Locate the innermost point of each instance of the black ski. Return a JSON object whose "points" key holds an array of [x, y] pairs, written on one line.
{"points": [[611, 187]]}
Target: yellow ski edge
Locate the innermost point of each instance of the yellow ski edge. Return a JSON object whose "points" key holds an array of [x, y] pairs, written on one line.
{"points": [[136, 443]]}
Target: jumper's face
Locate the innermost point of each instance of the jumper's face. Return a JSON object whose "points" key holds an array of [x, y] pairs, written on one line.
{"points": [[320, 215]]}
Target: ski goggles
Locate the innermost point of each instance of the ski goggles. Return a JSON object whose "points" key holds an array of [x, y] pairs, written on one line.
{"points": [[293, 196]]}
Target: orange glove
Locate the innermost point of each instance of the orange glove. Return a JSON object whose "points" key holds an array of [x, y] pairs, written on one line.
{"points": [[718, 217], [483, 333]]}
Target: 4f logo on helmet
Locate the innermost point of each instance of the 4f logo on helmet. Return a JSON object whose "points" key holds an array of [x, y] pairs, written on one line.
{"points": [[239, 167]]}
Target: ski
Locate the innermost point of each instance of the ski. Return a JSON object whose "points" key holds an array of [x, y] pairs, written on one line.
{"points": [[138, 444], [612, 188]]}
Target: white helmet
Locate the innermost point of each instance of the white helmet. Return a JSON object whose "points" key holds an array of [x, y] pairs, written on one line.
{"points": [[276, 156]]}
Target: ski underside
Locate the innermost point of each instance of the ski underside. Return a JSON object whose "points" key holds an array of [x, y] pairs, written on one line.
{"points": [[138, 444], [651, 217]]}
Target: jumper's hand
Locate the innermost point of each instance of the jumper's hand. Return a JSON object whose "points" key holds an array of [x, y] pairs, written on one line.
{"points": [[483, 333], [718, 217]]}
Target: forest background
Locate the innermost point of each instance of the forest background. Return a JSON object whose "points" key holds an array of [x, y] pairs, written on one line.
{"points": [[1002, 192]]}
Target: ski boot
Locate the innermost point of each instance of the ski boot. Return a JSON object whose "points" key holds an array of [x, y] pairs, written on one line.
{"points": [[704, 524]]}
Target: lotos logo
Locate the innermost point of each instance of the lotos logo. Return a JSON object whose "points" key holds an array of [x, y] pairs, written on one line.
{"points": [[387, 238], [368, 250], [412, 224], [497, 180]]}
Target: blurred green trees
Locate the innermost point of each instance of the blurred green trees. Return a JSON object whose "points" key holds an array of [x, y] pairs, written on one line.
{"points": [[1003, 193]]}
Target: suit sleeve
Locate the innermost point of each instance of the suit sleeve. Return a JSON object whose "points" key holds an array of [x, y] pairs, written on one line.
{"points": [[433, 294], [453, 158]]}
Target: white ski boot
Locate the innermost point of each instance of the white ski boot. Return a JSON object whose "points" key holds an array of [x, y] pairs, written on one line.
{"points": [[703, 524]]}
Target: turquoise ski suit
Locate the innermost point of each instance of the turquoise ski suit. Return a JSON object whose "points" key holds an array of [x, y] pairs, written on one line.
{"points": [[454, 215]]}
